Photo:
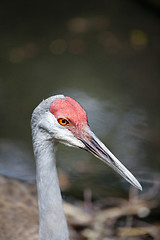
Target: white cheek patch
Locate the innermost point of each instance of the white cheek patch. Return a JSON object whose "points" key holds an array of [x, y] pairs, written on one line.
{"points": [[61, 133]]}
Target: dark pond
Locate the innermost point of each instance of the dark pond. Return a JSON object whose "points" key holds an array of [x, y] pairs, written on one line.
{"points": [[104, 54]]}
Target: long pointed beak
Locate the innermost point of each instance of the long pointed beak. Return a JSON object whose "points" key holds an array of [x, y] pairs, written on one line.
{"points": [[98, 149]]}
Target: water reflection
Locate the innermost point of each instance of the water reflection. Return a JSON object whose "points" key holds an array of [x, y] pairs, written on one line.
{"points": [[16, 161]]}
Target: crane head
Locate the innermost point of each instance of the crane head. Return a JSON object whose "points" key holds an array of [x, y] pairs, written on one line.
{"points": [[65, 121]]}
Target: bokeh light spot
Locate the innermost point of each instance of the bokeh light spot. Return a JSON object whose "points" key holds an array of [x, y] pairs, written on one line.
{"points": [[27, 51], [78, 25], [138, 39], [144, 212]]}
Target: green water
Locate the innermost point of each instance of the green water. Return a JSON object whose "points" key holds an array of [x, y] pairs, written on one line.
{"points": [[105, 55]]}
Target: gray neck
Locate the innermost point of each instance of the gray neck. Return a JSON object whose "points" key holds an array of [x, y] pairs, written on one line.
{"points": [[53, 224]]}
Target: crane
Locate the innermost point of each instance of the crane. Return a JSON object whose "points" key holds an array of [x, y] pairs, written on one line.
{"points": [[62, 119]]}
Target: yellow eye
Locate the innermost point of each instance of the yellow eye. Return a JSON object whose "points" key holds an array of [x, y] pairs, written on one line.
{"points": [[63, 121]]}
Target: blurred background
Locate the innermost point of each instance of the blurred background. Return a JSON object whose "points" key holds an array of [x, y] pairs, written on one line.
{"points": [[105, 54]]}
